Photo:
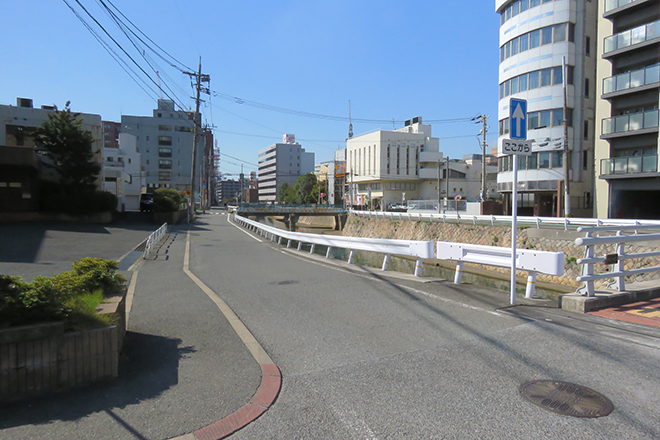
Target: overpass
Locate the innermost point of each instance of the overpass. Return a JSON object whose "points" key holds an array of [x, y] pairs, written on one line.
{"points": [[291, 213]]}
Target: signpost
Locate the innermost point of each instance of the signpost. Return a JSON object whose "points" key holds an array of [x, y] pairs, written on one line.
{"points": [[516, 146]]}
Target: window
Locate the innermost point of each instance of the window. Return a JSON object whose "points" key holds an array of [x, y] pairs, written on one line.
{"points": [[556, 75], [164, 140], [524, 5], [532, 120], [587, 46], [515, 9], [544, 119], [557, 159], [524, 42], [586, 87], [532, 162], [546, 77], [515, 45], [546, 35], [522, 162], [514, 85], [557, 117], [522, 83], [585, 159], [165, 128], [544, 159], [165, 152], [534, 80], [164, 175], [535, 39], [164, 164], [560, 32], [585, 134]]}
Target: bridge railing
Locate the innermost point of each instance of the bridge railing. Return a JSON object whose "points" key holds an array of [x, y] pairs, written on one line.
{"points": [[420, 250], [153, 239], [539, 222], [550, 263], [617, 259]]}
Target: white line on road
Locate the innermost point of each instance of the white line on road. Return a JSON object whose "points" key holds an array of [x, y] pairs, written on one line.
{"points": [[243, 230]]}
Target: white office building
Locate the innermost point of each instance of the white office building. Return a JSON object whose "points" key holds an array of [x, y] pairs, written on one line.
{"points": [[535, 37], [122, 170], [282, 163]]}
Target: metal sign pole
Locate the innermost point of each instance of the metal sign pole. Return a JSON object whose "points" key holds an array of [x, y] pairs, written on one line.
{"points": [[514, 222]]}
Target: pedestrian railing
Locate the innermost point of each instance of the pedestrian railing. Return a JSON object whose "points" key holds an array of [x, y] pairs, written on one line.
{"points": [[616, 259], [492, 220], [420, 250], [154, 239], [550, 263]]}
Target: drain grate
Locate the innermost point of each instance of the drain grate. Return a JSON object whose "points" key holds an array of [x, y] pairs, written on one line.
{"points": [[566, 398]]}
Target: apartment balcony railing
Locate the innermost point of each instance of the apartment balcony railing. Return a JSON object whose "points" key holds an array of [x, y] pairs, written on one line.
{"points": [[629, 165], [630, 123], [630, 80], [632, 36], [614, 4]]}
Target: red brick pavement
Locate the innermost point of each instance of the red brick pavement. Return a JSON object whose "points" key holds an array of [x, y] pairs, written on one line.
{"points": [[643, 312]]}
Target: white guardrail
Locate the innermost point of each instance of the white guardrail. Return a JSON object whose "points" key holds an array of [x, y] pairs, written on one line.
{"points": [[566, 222], [617, 259], [153, 239], [421, 250], [550, 263]]}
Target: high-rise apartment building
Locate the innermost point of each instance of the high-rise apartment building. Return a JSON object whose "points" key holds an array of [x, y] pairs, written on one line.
{"points": [[544, 46], [628, 83], [282, 163], [165, 144]]}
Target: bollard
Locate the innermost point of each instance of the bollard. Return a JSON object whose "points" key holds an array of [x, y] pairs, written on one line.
{"points": [[418, 267], [531, 285], [327, 253], [311, 251], [459, 273], [299, 245], [350, 257], [386, 261]]}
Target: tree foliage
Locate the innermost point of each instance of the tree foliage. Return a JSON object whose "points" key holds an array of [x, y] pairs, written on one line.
{"points": [[69, 149], [307, 189], [287, 195]]}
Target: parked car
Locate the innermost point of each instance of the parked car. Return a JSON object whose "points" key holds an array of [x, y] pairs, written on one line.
{"points": [[146, 202]]}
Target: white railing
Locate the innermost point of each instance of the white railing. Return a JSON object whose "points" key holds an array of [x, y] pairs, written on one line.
{"points": [[539, 222], [550, 263], [617, 259], [154, 238], [420, 250]]}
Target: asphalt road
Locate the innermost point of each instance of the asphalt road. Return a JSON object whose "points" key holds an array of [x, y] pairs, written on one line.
{"points": [[367, 356], [362, 355]]}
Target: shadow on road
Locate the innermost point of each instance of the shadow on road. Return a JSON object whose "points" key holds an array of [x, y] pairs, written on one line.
{"points": [[149, 366]]}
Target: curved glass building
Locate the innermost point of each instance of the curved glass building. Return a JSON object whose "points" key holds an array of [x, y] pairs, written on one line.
{"points": [[548, 58]]}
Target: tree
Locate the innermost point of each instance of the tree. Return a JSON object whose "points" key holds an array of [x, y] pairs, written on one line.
{"points": [[69, 150], [287, 195], [304, 188]]}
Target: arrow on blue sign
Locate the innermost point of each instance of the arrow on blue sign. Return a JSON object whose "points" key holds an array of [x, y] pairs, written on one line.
{"points": [[518, 114]]}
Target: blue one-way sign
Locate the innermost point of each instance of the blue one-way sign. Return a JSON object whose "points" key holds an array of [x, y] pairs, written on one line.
{"points": [[518, 118]]}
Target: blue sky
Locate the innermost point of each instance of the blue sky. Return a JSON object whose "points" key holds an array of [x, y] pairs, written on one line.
{"points": [[392, 60]]}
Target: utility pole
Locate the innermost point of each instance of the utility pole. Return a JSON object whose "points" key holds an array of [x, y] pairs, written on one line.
{"points": [[484, 129], [439, 199], [567, 156], [199, 79], [447, 184]]}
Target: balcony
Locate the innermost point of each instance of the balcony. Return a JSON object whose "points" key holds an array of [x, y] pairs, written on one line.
{"points": [[631, 38], [634, 123], [611, 5], [629, 81], [629, 165]]}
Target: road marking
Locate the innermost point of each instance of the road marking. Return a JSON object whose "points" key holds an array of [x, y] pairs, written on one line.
{"points": [[353, 422], [243, 230]]}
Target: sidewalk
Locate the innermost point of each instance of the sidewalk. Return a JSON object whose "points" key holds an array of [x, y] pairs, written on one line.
{"points": [[184, 367], [642, 312]]}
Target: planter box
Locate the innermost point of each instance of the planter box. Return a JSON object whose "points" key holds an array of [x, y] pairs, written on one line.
{"points": [[40, 358]]}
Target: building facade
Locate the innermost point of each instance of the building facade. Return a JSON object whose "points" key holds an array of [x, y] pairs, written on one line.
{"points": [[548, 58], [122, 172], [165, 144], [628, 84], [282, 163]]}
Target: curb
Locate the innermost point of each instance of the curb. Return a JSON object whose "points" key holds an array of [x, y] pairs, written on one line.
{"points": [[271, 377]]}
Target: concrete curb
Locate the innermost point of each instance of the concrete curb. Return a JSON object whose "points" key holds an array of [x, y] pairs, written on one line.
{"points": [[608, 298]]}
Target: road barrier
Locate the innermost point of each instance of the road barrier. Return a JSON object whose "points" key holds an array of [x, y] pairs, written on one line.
{"points": [[492, 220], [550, 263], [420, 250], [153, 239], [617, 259]]}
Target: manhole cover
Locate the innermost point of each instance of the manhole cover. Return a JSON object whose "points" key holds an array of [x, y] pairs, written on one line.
{"points": [[566, 398], [283, 283]]}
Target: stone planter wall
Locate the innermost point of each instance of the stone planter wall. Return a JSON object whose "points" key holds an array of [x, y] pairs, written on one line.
{"points": [[41, 358]]}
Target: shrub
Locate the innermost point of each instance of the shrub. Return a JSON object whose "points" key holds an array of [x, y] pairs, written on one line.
{"points": [[71, 296], [80, 201], [167, 200]]}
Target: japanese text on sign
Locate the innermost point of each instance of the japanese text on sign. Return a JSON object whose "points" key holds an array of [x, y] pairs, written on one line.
{"points": [[523, 148]]}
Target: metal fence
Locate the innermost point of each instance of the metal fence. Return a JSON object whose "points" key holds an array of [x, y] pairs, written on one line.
{"points": [[154, 238]]}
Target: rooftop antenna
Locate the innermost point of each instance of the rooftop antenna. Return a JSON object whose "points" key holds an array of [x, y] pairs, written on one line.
{"points": [[393, 124], [350, 124]]}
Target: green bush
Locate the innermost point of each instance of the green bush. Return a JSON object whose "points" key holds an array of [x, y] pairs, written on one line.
{"points": [[167, 200], [71, 296]]}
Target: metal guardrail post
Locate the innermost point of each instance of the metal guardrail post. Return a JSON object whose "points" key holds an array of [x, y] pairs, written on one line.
{"points": [[350, 257], [619, 266], [299, 245], [588, 268], [531, 285], [459, 273], [386, 262], [418, 267], [328, 252], [311, 251]]}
